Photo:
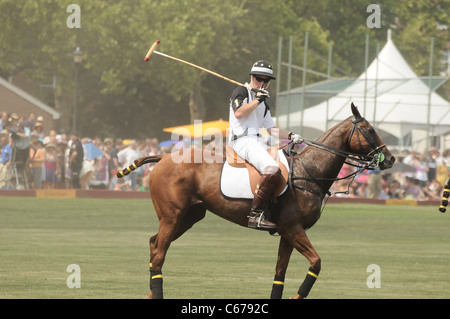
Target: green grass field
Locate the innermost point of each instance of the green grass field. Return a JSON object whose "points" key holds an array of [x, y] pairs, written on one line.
{"points": [[108, 239]]}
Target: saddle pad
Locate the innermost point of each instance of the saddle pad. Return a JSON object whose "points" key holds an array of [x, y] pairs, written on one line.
{"points": [[235, 181]]}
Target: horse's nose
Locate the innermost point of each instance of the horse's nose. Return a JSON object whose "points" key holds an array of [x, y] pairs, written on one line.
{"points": [[392, 160], [389, 162]]}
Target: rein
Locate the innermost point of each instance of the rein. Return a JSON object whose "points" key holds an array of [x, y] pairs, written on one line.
{"points": [[368, 161]]}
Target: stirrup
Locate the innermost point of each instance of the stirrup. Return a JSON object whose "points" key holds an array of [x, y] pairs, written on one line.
{"points": [[258, 220]]}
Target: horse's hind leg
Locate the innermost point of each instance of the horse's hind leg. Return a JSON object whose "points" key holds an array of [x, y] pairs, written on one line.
{"points": [[194, 214], [159, 244]]}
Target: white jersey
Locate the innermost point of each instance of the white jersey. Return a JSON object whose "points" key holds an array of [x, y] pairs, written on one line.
{"points": [[251, 124], [244, 132]]}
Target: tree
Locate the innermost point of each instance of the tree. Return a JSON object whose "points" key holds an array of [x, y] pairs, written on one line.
{"points": [[121, 95]]}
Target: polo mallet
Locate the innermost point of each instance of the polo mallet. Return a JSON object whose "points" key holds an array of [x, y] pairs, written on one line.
{"points": [[445, 195], [153, 50]]}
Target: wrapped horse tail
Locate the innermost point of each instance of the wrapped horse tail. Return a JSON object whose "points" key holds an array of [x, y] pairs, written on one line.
{"points": [[445, 195], [138, 163]]}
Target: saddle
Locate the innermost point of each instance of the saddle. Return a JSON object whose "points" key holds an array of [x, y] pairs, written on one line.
{"points": [[236, 161]]}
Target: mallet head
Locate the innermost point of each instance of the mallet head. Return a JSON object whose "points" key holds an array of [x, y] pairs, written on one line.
{"points": [[150, 52]]}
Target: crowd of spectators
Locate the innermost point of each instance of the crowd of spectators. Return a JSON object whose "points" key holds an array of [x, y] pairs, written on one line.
{"points": [[42, 160], [45, 158]]}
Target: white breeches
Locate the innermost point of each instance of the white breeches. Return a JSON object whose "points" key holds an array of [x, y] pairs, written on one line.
{"points": [[252, 150]]}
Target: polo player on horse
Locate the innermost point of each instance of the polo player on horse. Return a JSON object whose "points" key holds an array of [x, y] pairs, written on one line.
{"points": [[249, 112]]}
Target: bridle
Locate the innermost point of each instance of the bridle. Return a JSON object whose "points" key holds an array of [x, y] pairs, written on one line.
{"points": [[367, 161], [369, 138]]}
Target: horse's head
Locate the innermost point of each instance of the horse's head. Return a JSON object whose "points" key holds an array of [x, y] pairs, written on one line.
{"points": [[365, 141]]}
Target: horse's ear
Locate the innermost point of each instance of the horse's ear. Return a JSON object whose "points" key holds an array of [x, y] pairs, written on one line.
{"points": [[355, 111]]}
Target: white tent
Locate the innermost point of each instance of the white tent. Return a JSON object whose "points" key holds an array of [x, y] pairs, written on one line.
{"points": [[389, 92]]}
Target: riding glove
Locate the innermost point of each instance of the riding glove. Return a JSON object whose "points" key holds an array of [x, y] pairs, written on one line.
{"points": [[262, 95], [297, 139]]}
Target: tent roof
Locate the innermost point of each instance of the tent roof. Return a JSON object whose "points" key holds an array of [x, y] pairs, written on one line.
{"points": [[395, 97]]}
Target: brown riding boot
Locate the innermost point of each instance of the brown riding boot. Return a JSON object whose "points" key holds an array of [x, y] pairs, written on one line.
{"points": [[264, 193]]}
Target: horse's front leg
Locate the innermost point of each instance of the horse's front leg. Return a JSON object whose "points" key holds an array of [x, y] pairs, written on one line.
{"points": [[303, 245], [284, 254]]}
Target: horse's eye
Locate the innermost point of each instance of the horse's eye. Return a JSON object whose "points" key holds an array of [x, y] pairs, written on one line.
{"points": [[371, 130]]}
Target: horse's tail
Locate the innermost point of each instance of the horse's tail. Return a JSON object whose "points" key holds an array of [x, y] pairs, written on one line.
{"points": [[445, 196], [138, 163]]}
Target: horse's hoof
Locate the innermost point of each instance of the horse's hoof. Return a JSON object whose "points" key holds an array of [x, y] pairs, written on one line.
{"points": [[296, 297], [149, 295]]}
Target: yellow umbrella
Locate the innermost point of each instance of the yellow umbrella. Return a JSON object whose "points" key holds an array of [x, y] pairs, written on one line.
{"points": [[200, 128]]}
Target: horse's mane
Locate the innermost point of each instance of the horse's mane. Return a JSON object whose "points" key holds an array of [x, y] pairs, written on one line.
{"points": [[326, 134]]}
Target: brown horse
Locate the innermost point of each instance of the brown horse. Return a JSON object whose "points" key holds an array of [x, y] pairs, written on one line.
{"points": [[182, 192]]}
